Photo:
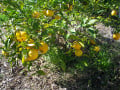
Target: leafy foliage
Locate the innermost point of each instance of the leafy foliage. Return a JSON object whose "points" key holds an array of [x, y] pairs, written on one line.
{"points": [[75, 22]]}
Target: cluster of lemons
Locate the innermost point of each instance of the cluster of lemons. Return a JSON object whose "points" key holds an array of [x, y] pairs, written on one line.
{"points": [[116, 36], [48, 13], [33, 53], [22, 36], [77, 46]]}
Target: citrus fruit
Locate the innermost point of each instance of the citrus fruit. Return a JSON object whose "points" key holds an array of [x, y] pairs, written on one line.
{"points": [[43, 48], [116, 36], [96, 48], [32, 55], [76, 45], [78, 53], [114, 12], [36, 14], [49, 13], [21, 36]]}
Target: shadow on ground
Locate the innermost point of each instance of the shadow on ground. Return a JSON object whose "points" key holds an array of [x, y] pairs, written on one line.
{"points": [[94, 79]]}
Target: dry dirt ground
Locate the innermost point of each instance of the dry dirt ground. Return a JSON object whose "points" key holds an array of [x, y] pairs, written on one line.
{"points": [[16, 78]]}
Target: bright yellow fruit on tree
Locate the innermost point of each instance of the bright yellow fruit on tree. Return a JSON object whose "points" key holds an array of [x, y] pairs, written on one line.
{"points": [[21, 36], [36, 14], [4, 53], [32, 55], [57, 17], [92, 42], [116, 36], [43, 48], [76, 45], [114, 12], [96, 48], [78, 52], [49, 13]]}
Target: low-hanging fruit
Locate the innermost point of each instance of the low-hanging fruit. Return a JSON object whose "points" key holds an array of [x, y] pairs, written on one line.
{"points": [[116, 36], [32, 55], [21, 36], [76, 45], [43, 48]]}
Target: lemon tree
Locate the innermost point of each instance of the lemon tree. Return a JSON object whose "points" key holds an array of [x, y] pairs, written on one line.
{"points": [[62, 31]]}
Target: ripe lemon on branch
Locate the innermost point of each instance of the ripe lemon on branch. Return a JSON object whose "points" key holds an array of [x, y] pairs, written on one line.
{"points": [[43, 48], [21, 36], [32, 55], [36, 14], [76, 45], [116, 36], [114, 12], [49, 13]]}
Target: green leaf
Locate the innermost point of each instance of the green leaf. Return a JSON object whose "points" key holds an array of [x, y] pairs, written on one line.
{"points": [[92, 21], [63, 65], [40, 72]]}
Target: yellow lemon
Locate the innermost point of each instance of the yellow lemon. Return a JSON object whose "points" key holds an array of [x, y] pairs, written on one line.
{"points": [[76, 45], [78, 53], [96, 48], [49, 13], [57, 17], [36, 14], [32, 55], [43, 48], [114, 12], [116, 36], [21, 36]]}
